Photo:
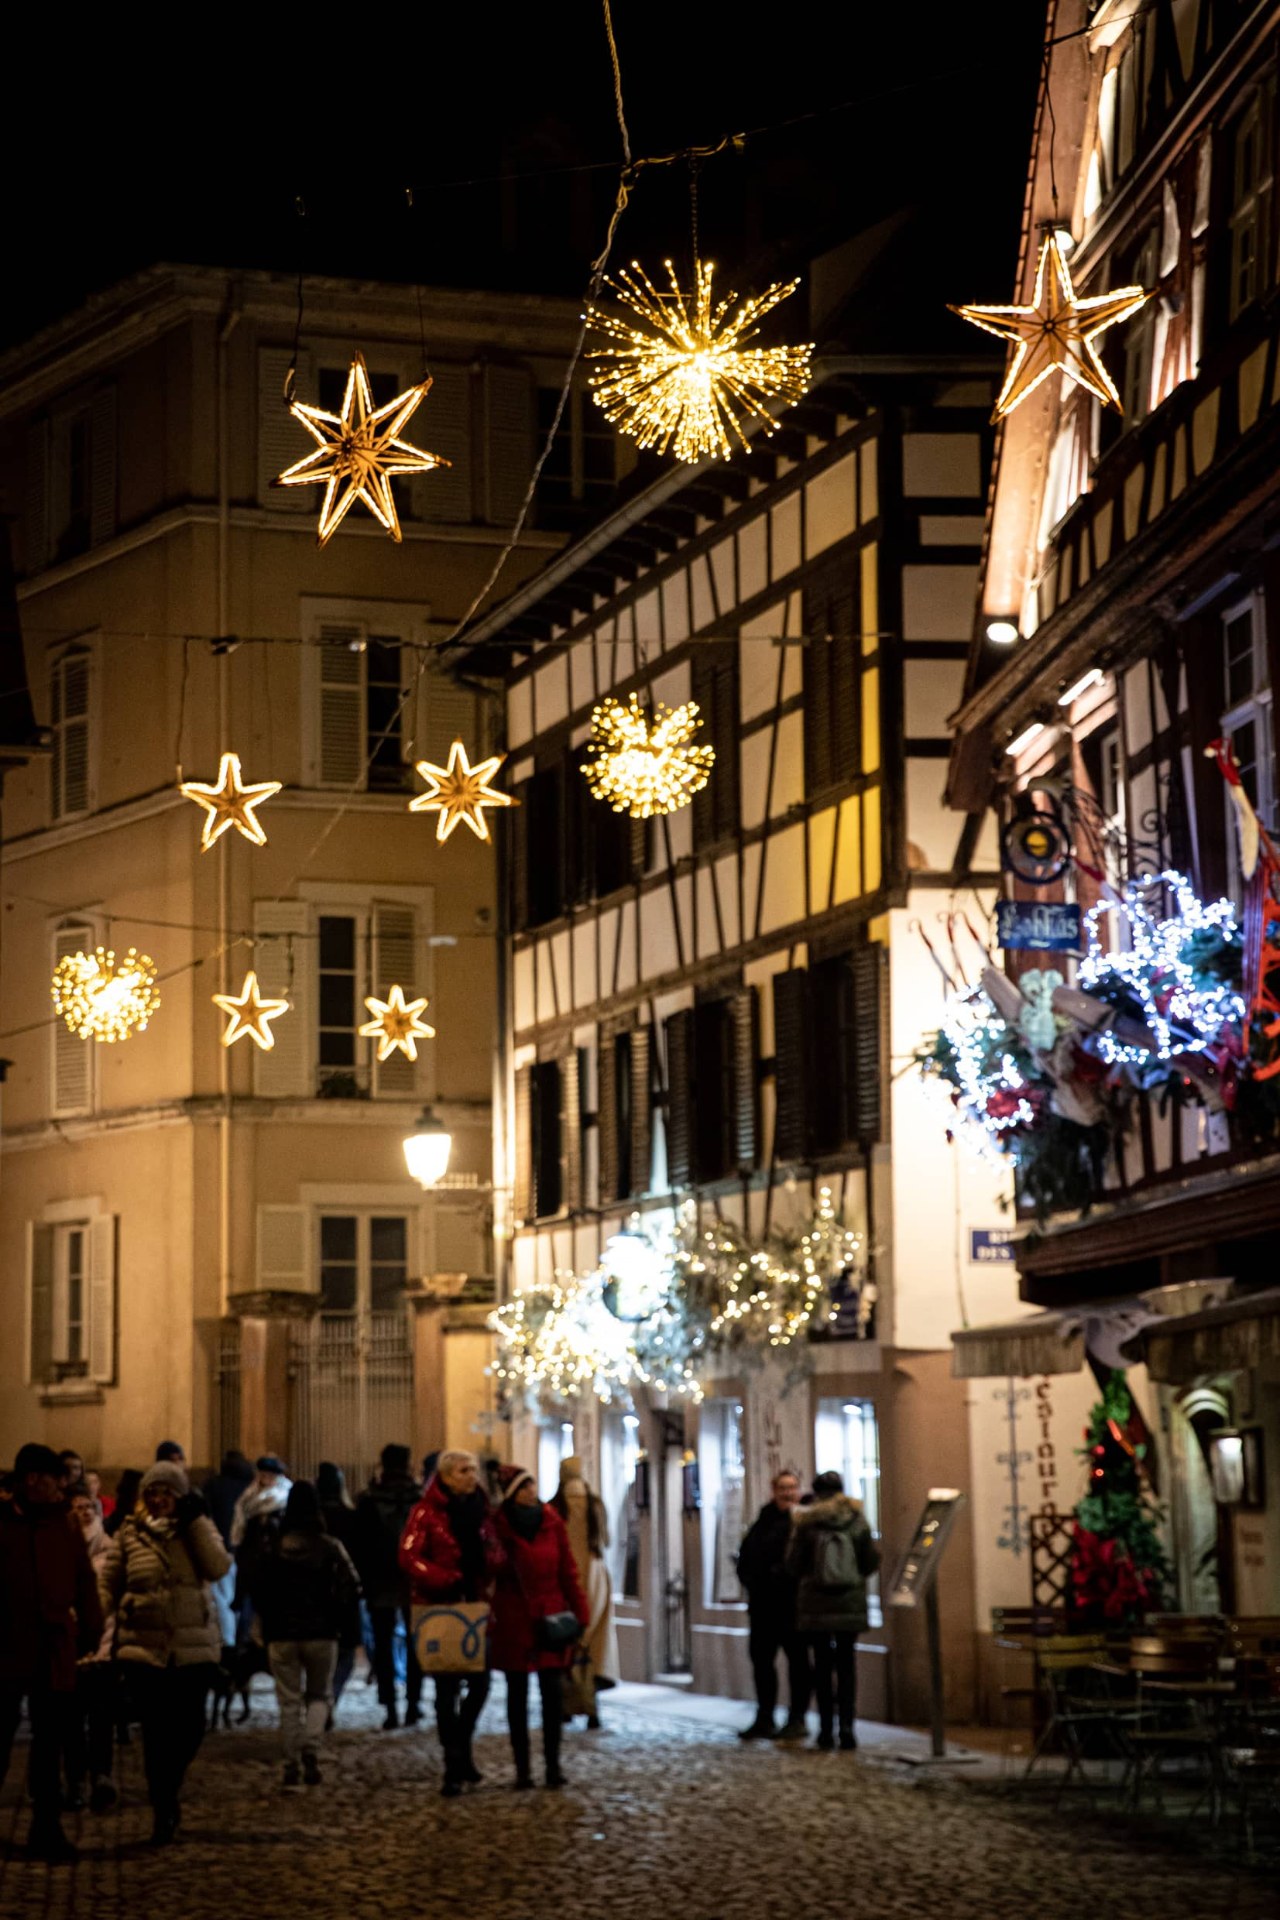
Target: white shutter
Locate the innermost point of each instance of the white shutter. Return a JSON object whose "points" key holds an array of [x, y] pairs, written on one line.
{"points": [[102, 1298], [102, 466], [73, 743], [446, 712], [508, 441], [282, 441], [442, 425], [395, 963], [35, 517], [459, 1240], [284, 1249], [341, 729], [40, 1303], [285, 967], [72, 1056]]}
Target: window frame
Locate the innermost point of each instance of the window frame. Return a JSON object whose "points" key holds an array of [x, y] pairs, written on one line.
{"points": [[79, 650], [1257, 708], [328, 624], [362, 905], [363, 1217]]}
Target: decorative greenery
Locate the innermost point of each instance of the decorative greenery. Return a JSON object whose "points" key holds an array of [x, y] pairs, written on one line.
{"points": [[1119, 1568]]}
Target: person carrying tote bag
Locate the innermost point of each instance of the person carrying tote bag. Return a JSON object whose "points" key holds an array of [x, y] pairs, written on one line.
{"points": [[451, 1554], [539, 1613]]}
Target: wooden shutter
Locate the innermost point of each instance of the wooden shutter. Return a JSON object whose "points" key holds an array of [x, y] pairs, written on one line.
{"points": [[101, 1239], [523, 1183], [447, 712], [680, 1094], [641, 1171], [284, 1249], [102, 466], [443, 425], [35, 508], [715, 688], [744, 1014], [791, 1064], [508, 441], [281, 441], [817, 713], [341, 733], [518, 852], [40, 1297], [571, 1131], [870, 1044], [608, 1169], [72, 1056], [286, 970], [75, 733], [394, 962]]}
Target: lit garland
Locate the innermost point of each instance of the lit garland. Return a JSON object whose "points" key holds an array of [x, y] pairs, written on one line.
{"points": [[248, 1013], [645, 766], [397, 1024], [775, 1294], [461, 792], [679, 371], [1183, 1007], [102, 998], [229, 803]]}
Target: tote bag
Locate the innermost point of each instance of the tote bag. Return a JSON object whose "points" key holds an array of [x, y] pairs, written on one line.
{"points": [[452, 1637]]}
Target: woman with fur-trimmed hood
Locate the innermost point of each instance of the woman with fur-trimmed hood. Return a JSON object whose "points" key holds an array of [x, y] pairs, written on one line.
{"points": [[832, 1554]]}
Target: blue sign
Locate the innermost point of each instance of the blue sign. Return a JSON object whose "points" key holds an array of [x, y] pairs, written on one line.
{"points": [[990, 1246], [1044, 926]]}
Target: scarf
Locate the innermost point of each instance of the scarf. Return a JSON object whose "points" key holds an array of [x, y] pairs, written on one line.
{"points": [[524, 1521], [467, 1514]]}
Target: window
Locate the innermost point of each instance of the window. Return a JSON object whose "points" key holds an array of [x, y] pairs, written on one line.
{"points": [[846, 1441], [548, 1125], [72, 1280], [384, 698], [624, 1113], [359, 954], [832, 683], [716, 810], [364, 1262], [605, 850], [830, 1054], [1139, 335], [363, 718], [548, 1184], [538, 871], [70, 680], [580, 473], [339, 999], [77, 479], [555, 1443], [721, 1475], [1251, 201], [1247, 720]]}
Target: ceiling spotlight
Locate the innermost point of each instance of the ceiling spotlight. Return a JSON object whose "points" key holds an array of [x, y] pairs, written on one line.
{"points": [[1082, 685], [1002, 633], [1025, 738]]}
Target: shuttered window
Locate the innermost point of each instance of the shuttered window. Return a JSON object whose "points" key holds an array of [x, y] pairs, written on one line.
{"points": [[711, 1072], [523, 1184], [383, 756], [395, 963], [341, 731], [832, 683], [572, 1071], [716, 810], [870, 1103], [547, 1135], [442, 425], [508, 424], [640, 1110], [831, 1052], [679, 1036], [72, 1300], [713, 1091], [791, 1064], [613, 1074], [365, 714], [604, 850], [70, 690], [745, 1035], [282, 442], [73, 1062]]}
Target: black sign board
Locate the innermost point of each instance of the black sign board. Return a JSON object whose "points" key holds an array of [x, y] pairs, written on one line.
{"points": [[918, 1571]]}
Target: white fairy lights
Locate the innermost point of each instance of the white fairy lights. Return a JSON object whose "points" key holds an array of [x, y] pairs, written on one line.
{"points": [[645, 764], [1183, 1012]]}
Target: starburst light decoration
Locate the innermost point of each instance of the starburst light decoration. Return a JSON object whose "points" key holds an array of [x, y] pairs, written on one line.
{"points": [[397, 1024], [1056, 332], [102, 998], [248, 1013], [677, 372], [357, 452], [461, 792], [645, 765], [230, 803]]}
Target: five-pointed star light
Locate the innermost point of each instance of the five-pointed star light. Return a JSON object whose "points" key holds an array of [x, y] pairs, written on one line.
{"points": [[250, 1013], [229, 803], [358, 450], [397, 1022], [461, 791], [1056, 331]]}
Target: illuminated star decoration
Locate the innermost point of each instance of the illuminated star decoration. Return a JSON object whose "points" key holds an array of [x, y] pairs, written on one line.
{"points": [[641, 764], [250, 1014], [397, 1023], [1056, 331], [683, 374], [358, 450], [230, 803], [461, 791], [102, 998]]}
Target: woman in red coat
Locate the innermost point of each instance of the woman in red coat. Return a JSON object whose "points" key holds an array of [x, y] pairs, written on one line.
{"points": [[538, 1578]]}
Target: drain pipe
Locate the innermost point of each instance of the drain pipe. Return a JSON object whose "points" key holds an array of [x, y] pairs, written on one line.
{"points": [[225, 331]]}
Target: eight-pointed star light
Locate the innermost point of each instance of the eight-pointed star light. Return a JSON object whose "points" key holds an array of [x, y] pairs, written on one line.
{"points": [[396, 1023], [461, 791], [250, 1014], [229, 803]]}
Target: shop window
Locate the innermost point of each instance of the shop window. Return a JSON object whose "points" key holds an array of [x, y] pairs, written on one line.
{"points": [[722, 1482], [619, 1457], [1247, 719], [1250, 217], [846, 1440]]}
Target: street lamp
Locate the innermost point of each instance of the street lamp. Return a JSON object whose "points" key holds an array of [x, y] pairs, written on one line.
{"points": [[426, 1149]]}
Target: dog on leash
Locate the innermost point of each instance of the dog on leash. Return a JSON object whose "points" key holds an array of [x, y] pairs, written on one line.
{"points": [[234, 1678]]}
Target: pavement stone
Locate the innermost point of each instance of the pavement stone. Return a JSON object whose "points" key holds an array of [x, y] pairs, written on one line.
{"points": [[668, 1816]]}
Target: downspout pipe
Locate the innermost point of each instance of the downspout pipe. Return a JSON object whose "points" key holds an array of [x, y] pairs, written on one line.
{"points": [[230, 321]]}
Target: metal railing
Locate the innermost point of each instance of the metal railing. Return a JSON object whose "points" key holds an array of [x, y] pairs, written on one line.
{"points": [[352, 1390]]}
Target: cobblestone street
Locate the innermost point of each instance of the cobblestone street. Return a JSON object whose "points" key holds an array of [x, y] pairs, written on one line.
{"points": [[664, 1806]]}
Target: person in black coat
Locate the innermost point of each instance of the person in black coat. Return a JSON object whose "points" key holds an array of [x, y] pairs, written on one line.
{"points": [[223, 1488], [382, 1512], [771, 1610], [339, 1511]]}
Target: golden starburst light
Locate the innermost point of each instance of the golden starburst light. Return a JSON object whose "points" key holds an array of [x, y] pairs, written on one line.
{"points": [[358, 450], [249, 1014], [1056, 332], [397, 1023], [460, 792], [679, 372], [102, 998], [645, 764], [229, 803]]}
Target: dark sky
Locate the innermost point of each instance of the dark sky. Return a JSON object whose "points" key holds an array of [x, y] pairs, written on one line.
{"points": [[888, 104]]}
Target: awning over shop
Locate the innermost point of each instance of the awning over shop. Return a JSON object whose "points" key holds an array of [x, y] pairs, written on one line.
{"points": [[1234, 1335], [1113, 1330]]}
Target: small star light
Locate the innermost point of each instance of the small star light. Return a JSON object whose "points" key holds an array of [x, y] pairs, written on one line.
{"points": [[230, 803], [358, 450], [1056, 331], [644, 766], [682, 373], [250, 1014], [102, 998], [397, 1023], [461, 791]]}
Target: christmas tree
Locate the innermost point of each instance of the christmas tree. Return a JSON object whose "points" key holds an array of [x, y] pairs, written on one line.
{"points": [[1119, 1569]]}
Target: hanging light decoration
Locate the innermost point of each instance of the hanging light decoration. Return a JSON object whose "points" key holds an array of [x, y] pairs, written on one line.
{"points": [[397, 1024], [461, 792], [645, 765], [357, 452], [1056, 332], [229, 803], [248, 1013], [102, 998], [1182, 1005], [677, 372]]}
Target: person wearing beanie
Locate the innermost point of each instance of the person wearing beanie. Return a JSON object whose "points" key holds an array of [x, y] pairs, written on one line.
{"points": [[832, 1554], [51, 1616], [595, 1666], [538, 1579], [307, 1597], [450, 1552], [172, 1451], [382, 1513], [155, 1578], [264, 1497]]}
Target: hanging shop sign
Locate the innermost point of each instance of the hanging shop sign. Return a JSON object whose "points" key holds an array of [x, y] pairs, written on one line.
{"points": [[1038, 926]]}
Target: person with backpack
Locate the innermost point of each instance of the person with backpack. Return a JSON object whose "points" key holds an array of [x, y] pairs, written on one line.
{"points": [[832, 1554]]}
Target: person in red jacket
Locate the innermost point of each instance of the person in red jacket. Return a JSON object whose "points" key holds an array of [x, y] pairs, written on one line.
{"points": [[539, 1578], [450, 1552]]}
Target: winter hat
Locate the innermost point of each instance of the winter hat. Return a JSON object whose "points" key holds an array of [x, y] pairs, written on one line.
{"points": [[269, 1463], [826, 1485], [331, 1485], [170, 1450], [510, 1481], [395, 1459], [33, 1458], [165, 1473], [302, 1509]]}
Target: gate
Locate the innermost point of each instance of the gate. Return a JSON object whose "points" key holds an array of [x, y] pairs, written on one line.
{"points": [[352, 1381], [226, 1391]]}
